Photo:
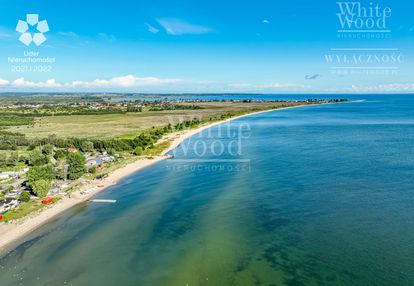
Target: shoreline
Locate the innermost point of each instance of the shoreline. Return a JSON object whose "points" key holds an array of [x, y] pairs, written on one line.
{"points": [[13, 232]]}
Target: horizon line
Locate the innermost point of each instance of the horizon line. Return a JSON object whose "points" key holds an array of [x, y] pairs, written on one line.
{"points": [[203, 93]]}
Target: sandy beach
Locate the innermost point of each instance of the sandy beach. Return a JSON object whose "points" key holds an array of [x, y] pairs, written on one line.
{"points": [[13, 232]]}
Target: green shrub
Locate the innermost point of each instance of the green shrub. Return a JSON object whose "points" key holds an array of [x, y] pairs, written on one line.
{"points": [[138, 151], [24, 197], [76, 165], [9, 189], [92, 170], [37, 173], [37, 158], [41, 188]]}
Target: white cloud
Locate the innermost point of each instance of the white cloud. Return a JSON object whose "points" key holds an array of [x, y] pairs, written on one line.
{"points": [[3, 82], [69, 35], [271, 86], [178, 27], [22, 83], [266, 21], [127, 81], [206, 82], [152, 29], [132, 83], [283, 85], [107, 37], [122, 82], [6, 33], [392, 87], [240, 85]]}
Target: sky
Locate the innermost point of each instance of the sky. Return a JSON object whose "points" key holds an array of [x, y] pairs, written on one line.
{"points": [[215, 46]]}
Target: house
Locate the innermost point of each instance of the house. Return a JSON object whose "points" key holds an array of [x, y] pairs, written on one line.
{"points": [[106, 158], [72, 150], [54, 191], [94, 162], [59, 188], [4, 176], [98, 160], [8, 175], [8, 205]]}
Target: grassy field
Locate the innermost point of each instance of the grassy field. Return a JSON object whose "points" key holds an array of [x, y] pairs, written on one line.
{"points": [[23, 210], [128, 125]]}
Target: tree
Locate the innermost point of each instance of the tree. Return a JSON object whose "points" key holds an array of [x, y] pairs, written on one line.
{"points": [[13, 159], [138, 151], [61, 172], [9, 159], [23, 158], [87, 146], [76, 165], [60, 154], [37, 158], [3, 161], [48, 149], [24, 197], [92, 170], [37, 173], [41, 188]]}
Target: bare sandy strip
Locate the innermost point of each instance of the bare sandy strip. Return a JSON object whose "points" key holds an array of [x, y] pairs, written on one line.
{"points": [[14, 231]]}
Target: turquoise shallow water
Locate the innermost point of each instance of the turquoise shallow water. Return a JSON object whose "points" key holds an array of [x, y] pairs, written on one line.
{"points": [[318, 195]]}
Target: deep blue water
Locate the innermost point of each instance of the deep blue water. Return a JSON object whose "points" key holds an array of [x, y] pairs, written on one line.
{"points": [[320, 195]]}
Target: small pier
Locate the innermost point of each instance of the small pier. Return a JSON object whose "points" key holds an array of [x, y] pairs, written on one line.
{"points": [[104, 201]]}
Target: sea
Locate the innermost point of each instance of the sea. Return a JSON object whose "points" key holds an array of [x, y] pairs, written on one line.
{"points": [[316, 195]]}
